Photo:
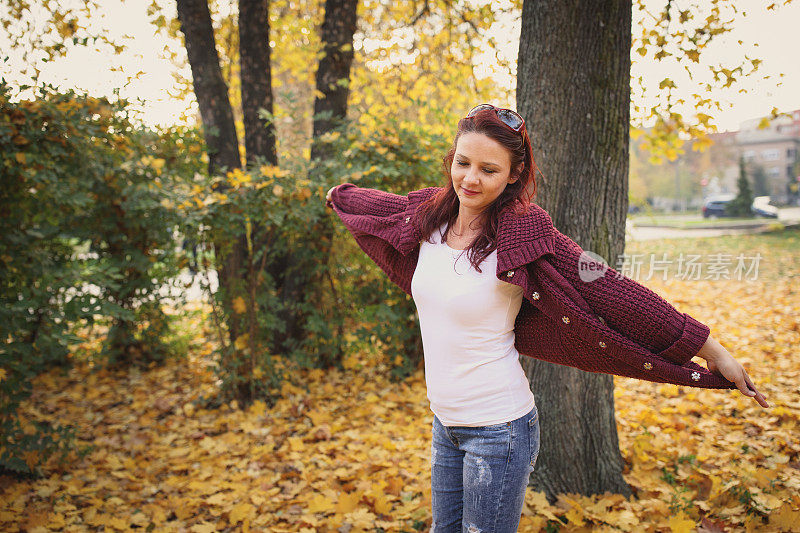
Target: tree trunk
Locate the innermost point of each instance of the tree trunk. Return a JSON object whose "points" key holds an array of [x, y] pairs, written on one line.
{"points": [[217, 116], [573, 88], [332, 80], [333, 72], [254, 57]]}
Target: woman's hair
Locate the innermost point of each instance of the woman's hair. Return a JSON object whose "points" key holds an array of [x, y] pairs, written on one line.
{"points": [[443, 206]]}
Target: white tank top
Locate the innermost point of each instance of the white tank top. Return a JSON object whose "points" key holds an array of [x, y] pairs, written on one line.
{"points": [[466, 318]]}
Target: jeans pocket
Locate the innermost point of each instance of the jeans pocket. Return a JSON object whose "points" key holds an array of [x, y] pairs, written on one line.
{"points": [[534, 436]]}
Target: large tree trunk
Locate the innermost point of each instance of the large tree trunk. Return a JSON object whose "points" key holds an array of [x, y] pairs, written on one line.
{"points": [[217, 116], [332, 80], [573, 88], [254, 57]]}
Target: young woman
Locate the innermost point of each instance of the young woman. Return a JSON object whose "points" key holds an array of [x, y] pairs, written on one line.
{"points": [[491, 278]]}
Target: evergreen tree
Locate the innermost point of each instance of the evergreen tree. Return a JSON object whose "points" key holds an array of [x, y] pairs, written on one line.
{"points": [[760, 187], [740, 206]]}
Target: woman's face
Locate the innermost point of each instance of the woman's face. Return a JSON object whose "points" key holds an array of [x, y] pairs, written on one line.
{"points": [[480, 165]]}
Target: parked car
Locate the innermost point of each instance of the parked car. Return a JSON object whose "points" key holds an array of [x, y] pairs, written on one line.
{"points": [[762, 208], [715, 206]]}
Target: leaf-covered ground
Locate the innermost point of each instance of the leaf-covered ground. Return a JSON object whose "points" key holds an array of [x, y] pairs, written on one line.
{"points": [[350, 451]]}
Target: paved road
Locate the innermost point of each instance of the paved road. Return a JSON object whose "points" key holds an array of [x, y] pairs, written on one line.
{"points": [[633, 233]]}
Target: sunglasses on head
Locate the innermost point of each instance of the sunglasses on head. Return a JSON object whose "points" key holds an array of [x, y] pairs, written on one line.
{"points": [[510, 118]]}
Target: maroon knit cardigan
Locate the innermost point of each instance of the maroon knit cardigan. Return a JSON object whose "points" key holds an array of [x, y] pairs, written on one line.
{"points": [[612, 325]]}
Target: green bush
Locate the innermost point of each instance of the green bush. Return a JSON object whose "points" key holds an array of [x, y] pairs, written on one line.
{"points": [[87, 236], [396, 157]]}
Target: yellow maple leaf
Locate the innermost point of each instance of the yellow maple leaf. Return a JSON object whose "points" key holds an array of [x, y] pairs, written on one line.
{"points": [[320, 504], [318, 417], [203, 527], [361, 518], [575, 516], [348, 502], [785, 518], [296, 444], [240, 512], [218, 499], [681, 523]]}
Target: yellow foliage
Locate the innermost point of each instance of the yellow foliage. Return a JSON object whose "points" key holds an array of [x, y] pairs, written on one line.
{"points": [[347, 503], [237, 177], [680, 523], [350, 448], [239, 305], [241, 341], [271, 171], [240, 512], [320, 504]]}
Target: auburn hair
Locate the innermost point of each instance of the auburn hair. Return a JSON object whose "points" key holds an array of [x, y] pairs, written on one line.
{"points": [[443, 206]]}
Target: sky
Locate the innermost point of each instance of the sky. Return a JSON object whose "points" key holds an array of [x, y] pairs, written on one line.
{"points": [[773, 36]]}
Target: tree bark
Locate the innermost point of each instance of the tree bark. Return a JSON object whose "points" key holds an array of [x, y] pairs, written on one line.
{"points": [[209, 86], [333, 72], [254, 57], [217, 116], [330, 109], [573, 88]]}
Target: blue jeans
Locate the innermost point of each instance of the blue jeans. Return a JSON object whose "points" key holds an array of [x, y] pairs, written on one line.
{"points": [[479, 474]]}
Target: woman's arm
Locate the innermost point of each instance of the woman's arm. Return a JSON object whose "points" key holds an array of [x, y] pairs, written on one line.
{"points": [[719, 360], [648, 319], [629, 307], [357, 200]]}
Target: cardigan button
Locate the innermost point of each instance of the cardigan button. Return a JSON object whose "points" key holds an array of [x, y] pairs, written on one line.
{"points": [[565, 319], [535, 295], [510, 273], [407, 219], [648, 366], [696, 376], [602, 344]]}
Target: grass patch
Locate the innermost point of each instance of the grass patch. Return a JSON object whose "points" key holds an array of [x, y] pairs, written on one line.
{"points": [[776, 253]]}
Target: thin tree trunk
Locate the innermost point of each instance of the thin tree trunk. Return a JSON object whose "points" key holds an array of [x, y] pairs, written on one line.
{"points": [[333, 72], [217, 116], [254, 57], [573, 88], [330, 109], [259, 133]]}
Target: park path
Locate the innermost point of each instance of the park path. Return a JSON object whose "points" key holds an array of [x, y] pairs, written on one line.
{"points": [[787, 215]]}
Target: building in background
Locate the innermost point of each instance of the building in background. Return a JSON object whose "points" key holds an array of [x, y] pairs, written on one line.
{"points": [[770, 149], [774, 148]]}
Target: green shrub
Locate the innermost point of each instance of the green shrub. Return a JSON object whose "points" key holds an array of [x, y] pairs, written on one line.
{"points": [[397, 157], [87, 236]]}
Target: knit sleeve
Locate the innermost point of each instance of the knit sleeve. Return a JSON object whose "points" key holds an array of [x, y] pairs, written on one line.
{"points": [[632, 309], [355, 200]]}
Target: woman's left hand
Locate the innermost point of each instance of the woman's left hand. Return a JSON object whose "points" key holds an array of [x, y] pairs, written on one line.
{"points": [[719, 360]]}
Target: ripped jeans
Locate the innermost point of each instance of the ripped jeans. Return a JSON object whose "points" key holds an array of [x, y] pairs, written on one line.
{"points": [[479, 474]]}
